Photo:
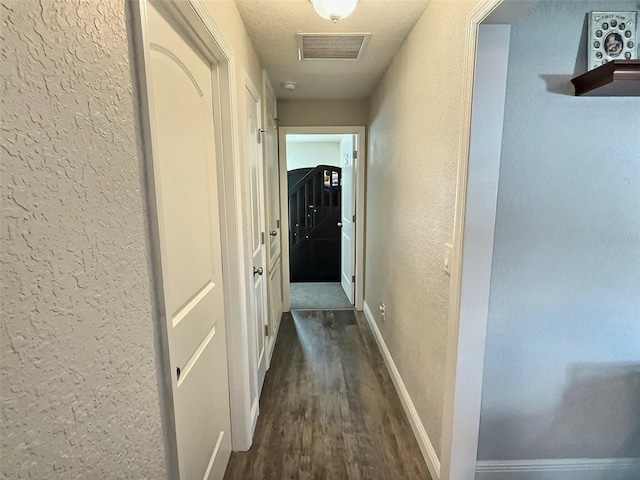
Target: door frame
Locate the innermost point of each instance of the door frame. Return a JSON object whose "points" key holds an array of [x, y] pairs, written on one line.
{"points": [[196, 20], [360, 186], [472, 253]]}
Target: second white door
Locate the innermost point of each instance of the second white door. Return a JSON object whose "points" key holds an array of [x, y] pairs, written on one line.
{"points": [[272, 195], [259, 320]]}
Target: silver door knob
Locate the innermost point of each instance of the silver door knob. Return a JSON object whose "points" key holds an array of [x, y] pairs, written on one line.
{"points": [[273, 233], [258, 270], [339, 224]]}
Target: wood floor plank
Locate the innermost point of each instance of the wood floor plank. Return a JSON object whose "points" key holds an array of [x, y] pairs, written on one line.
{"points": [[329, 409]]}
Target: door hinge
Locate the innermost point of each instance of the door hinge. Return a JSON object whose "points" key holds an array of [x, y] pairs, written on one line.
{"points": [[355, 154], [353, 279], [260, 132], [353, 219], [266, 330], [262, 237]]}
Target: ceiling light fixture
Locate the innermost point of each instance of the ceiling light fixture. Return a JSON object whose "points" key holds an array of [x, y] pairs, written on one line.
{"points": [[334, 10]]}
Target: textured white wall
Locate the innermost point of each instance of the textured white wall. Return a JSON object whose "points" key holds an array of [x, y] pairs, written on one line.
{"points": [[311, 154], [320, 113], [562, 363], [79, 389], [413, 141]]}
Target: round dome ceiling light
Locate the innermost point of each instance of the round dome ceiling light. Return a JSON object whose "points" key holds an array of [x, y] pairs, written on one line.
{"points": [[334, 10], [289, 85]]}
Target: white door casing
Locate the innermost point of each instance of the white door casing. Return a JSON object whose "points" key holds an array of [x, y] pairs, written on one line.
{"points": [[272, 196], [478, 171], [359, 228], [182, 83], [348, 146], [253, 155]]}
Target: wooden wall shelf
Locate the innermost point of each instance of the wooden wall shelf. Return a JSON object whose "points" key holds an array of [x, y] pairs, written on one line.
{"points": [[618, 78]]}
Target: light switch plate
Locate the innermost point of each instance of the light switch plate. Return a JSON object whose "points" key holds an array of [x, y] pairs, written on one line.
{"points": [[448, 252]]}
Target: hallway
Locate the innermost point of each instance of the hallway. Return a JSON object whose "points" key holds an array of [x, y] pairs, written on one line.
{"points": [[328, 408]]}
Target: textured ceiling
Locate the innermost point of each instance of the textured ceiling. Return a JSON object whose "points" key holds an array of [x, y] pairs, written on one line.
{"points": [[272, 26]]}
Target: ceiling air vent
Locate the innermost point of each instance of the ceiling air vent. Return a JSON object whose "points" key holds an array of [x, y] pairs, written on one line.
{"points": [[331, 46]]}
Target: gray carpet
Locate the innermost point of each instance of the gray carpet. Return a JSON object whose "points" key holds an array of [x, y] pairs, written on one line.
{"points": [[318, 296]]}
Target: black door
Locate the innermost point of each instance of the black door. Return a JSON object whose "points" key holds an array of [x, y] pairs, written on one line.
{"points": [[314, 215]]}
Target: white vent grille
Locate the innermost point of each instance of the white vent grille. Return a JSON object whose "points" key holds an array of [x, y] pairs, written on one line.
{"points": [[330, 46]]}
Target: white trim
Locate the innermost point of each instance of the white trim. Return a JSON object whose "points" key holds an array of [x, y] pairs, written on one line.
{"points": [[466, 327], [249, 85], [426, 447], [560, 469], [284, 220], [559, 464], [360, 185]]}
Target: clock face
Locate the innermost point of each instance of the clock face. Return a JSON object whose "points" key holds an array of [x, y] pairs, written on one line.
{"points": [[612, 36]]}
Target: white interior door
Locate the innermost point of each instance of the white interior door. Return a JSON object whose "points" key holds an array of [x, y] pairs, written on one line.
{"points": [[181, 106], [258, 235], [272, 190], [348, 147]]}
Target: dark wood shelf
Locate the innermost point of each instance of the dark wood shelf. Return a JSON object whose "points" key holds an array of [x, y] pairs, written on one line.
{"points": [[618, 78]]}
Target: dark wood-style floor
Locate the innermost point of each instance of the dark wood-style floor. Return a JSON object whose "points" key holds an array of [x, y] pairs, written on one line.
{"points": [[328, 408]]}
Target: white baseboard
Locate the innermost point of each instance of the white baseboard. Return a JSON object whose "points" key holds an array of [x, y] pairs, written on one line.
{"points": [[426, 447], [560, 469]]}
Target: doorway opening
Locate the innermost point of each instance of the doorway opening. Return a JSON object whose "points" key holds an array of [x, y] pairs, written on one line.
{"points": [[322, 172]]}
